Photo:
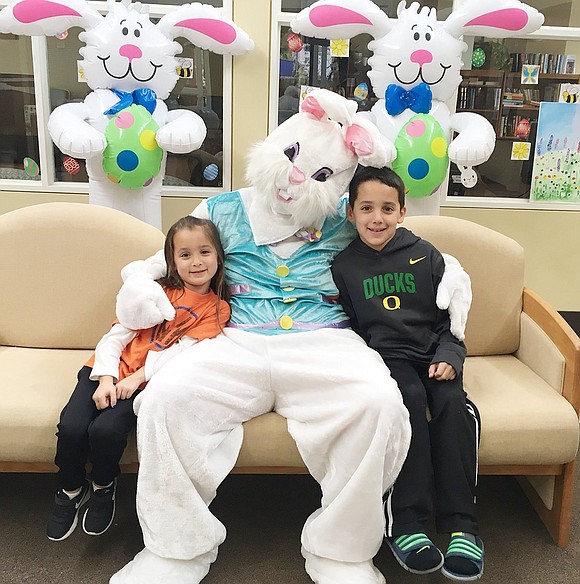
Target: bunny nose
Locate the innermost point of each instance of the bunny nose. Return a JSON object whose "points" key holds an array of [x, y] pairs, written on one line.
{"points": [[296, 176], [421, 57], [131, 52]]}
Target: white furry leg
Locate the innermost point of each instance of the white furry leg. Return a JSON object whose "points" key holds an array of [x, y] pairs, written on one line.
{"points": [[149, 568], [326, 571]]}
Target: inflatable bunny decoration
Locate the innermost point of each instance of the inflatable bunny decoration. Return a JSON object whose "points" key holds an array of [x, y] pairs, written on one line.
{"points": [[123, 128], [415, 70]]}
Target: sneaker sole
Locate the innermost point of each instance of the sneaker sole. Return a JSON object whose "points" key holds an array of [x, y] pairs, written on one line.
{"points": [[110, 522], [75, 522]]}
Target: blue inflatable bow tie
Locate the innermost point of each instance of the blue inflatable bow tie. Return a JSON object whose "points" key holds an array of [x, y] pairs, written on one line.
{"points": [[144, 96], [398, 99]]}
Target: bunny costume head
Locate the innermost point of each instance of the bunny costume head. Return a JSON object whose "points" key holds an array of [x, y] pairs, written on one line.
{"points": [[415, 70], [128, 62], [304, 166]]}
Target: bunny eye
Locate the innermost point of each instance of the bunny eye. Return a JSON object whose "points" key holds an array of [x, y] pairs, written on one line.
{"points": [[125, 31], [138, 33], [416, 36], [427, 36], [322, 174], [292, 151]]}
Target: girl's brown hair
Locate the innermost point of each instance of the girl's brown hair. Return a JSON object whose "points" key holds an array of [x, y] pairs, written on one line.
{"points": [[173, 280]]}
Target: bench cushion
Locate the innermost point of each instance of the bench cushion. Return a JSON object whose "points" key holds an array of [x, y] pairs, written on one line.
{"points": [[524, 420]]}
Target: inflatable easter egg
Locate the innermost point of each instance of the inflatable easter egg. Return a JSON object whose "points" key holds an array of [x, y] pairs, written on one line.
{"points": [[132, 157], [422, 158]]}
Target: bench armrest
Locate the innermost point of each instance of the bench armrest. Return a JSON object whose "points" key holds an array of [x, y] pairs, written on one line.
{"points": [[563, 337]]}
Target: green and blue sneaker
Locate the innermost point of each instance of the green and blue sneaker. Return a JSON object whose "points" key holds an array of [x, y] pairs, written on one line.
{"points": [[416, 553]]}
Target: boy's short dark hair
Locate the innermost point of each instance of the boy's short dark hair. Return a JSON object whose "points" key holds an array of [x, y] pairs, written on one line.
{"points": [[384, 175]]}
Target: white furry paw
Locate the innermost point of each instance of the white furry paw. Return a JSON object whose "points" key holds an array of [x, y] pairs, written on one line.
{"points": [[149, 568], [326, 571]]}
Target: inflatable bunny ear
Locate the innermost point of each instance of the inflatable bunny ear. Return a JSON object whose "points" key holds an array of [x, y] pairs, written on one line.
{"points": [[341, 19], [47, 18], [205, 27], [493, 18]]}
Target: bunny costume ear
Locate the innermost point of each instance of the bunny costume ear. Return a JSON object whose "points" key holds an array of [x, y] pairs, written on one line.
{"points": [[205, 27], [493, 18], [47, 17], [365, 140], [361, 136]]}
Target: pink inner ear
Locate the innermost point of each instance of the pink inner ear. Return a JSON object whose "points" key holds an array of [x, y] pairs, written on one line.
{"points": [[218, 30], [506, 19], [359, 140], [311, 106], [34, 10], [323, 16]]}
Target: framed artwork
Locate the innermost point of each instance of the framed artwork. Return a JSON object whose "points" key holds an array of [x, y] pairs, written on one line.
{"points": [[556, 170]]}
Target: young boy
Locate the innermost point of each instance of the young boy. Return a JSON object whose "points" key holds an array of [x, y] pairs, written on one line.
{"points": [[387, 279]]}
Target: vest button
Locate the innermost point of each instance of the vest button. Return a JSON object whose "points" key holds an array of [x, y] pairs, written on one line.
{"points": [[282, 271], [286, 322]]}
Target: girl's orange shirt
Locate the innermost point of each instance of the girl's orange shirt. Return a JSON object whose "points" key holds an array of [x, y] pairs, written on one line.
{"points": [[195, 316]]}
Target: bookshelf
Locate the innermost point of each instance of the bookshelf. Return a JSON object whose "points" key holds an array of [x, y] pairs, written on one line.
{"points": [[513, 110], [500, 97]]}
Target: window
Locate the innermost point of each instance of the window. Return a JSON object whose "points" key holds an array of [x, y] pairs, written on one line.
{"points": [[504, 180], [38, 74]]}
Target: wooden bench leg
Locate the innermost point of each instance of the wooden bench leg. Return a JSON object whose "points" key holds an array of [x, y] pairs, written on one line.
{"points": [[556, 519]]}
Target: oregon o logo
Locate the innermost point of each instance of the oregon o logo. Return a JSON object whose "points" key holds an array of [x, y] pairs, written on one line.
{"points": [[392, 302]]}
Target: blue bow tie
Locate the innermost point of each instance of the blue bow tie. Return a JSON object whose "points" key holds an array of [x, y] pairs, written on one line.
{"points": [[398, 99], [144, 96]]}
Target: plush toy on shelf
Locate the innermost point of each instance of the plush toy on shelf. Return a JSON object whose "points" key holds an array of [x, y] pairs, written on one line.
{"points": [[123, 128], [415, 71]]}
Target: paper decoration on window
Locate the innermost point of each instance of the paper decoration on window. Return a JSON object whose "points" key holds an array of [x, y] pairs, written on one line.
{"points": [[530, 74], [339, 47], [81, 72], [569, 93], [304, 91], [184, 68], [556, 171], [31, 167], [478, 57], [361, 91], [71, 165], [294, 42], [522, 129], [521, 150]]}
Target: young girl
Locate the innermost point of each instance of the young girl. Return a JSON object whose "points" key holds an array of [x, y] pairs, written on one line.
{"points": [[99, 415]]}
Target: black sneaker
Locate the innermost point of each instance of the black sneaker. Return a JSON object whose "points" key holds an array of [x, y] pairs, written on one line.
{"points": [[101, 510], [65, 514]]}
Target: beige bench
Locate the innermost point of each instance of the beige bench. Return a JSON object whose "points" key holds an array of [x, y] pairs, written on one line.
{"points": [[60, 266]]}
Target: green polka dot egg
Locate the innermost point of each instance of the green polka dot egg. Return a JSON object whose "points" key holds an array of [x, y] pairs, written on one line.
{"points": [[422, 158], [132, 157]]}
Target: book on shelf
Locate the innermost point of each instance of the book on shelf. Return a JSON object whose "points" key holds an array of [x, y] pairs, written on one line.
{"points": [[550, 64]]}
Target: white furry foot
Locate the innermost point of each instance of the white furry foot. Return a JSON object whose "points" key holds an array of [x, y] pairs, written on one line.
{"points": [[326, 571], [149, 568]]}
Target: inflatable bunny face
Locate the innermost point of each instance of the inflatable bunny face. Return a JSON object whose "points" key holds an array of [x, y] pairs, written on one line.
{"points": [[127, 52], [416, 47], [432, 55], [304, 166], [124, 49]]}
